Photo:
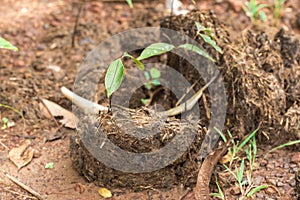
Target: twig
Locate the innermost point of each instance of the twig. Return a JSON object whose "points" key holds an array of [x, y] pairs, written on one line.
{"points": [[22, 185], [186, 93], [202, 186], [17, 193], [4, 145], [206, 107], [153, 94], [76, 24]]}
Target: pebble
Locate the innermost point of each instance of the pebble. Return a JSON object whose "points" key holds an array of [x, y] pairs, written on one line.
{"points": [[286, 166], [269, 190], [292, 183], [280, 175], [279, 184], [57, 72], [271, 181]]}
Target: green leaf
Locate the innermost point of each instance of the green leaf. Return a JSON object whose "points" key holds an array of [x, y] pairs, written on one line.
{"points": [[145, 101], [114, 76], [148, 86], [5, 120], [155, 73], [4, 44], [213, 43], [197, 50], [155, 49], [263, 16], [139, 64], [130, 3], [147, 75], [257, 189], [49, 165], [200, 27], [155, 82]]}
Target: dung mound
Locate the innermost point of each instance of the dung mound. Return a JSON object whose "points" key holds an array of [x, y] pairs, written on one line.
{"points": [[261, 77]]}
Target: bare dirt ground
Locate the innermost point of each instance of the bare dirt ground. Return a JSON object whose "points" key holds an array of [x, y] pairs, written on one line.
{"points": [[43, 30]]}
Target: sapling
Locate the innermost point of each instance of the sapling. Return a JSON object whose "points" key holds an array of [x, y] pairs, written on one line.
{"points": [[115, 73]]}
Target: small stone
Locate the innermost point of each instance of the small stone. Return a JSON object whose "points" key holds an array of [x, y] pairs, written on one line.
{"points": [[279, 184], [19, 63], [271, 181], [269, 190], [292, 183], [281, 173], [286, 166], [57, 72]]}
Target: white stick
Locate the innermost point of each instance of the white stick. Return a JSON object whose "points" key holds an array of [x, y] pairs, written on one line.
{"points": [[88, 107]]}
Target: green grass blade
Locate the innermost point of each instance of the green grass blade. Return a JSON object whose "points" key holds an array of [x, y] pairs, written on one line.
{"points": [[221, 134], [246, 140], [129, 2], [285, 145], [257, 189]]}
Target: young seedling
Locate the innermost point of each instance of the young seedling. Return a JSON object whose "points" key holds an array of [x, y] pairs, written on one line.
{"points": [[236, 145], [243, 174], [220, 193], [254, 10], [207, 36], [6, 121], [278, 7], [116, 70], [152, 78]]}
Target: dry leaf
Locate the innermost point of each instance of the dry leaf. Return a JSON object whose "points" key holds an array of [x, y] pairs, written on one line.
{"points": [[225, 159], [105, 193], [69, 119], [21, 155]]}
